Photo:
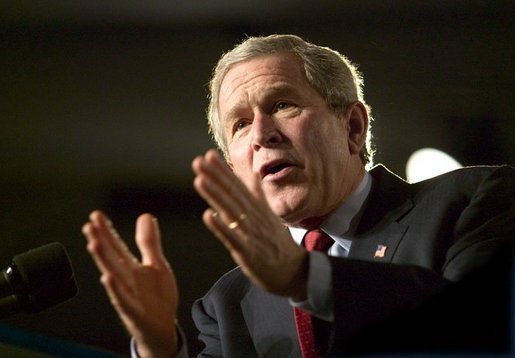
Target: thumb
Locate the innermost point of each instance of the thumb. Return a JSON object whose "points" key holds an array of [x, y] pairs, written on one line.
{"points": [[148, 239]]}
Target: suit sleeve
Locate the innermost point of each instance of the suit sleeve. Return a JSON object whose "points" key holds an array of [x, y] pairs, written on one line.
{"points": [[369, 294], [209, 330], [484, 226], [219, 318]]}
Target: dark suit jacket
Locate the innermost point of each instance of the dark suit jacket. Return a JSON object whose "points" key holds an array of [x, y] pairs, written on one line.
{"points": [[436, 232]]}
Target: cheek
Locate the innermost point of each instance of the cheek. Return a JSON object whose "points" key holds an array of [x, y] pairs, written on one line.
{"points": [[327, 154], [241, 162], [315, 146]]}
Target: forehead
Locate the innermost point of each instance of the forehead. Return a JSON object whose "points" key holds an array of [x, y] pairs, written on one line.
{"points": [[261, 73]]}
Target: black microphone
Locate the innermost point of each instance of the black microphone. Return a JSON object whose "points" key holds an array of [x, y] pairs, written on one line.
{"points": [[36, 280]]}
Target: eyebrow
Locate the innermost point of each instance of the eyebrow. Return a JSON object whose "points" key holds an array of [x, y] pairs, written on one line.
{"points": [[279, 89], [232, 113], [275, 90]]}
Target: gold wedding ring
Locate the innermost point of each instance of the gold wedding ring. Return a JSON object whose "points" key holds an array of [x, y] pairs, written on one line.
{"points": [[233, 225]]}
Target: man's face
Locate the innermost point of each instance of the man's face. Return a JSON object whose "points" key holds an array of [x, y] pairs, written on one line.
{"points": [[279, 128]]}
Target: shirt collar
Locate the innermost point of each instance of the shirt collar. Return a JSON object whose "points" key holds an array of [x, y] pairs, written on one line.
{"points": [[344, 219]]}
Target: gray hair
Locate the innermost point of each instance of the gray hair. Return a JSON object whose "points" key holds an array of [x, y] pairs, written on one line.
{"points": [[330, 73]]}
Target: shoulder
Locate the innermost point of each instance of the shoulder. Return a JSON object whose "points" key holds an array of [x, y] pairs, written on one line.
{"points": [[489, 190], [473, 174], [470, 174], [232, 285], [456, 186], [222, 298], [469, 181]]}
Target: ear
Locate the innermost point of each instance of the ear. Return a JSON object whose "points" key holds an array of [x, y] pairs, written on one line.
{"points": [[357, 126]]}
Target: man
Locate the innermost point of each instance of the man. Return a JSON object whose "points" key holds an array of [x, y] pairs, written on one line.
{"points": [[291, 121]]}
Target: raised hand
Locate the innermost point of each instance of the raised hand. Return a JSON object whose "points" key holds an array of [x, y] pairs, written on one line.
{"points": [[242, 220], [144, 293]]}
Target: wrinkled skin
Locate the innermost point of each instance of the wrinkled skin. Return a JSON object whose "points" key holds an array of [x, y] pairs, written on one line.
{"points": [[290, 162]]}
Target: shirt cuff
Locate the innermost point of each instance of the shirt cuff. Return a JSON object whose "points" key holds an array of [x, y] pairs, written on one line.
{"points": [[181, 353], [320, 288]]}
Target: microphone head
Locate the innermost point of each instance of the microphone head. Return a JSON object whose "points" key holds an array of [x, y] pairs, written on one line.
{"points": [[46, 277]]}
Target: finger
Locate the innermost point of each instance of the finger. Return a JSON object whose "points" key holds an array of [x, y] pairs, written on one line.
{"points": [[93, 246], [106, 262], [231, 205], [221, 202], [256, 188], [211, 157], [222, 173], [241, 192], [237, 245], [112, 246], [110, 236], [148, 239], [237, 206], [119, 295], [219, 228], [219, 176], [104, 255]]}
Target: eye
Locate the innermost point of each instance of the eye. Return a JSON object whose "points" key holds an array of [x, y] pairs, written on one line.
{"points": [[239, 125], [280, 106]]}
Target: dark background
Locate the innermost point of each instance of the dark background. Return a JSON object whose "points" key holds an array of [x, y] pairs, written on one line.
{"points": [[102, 106]]}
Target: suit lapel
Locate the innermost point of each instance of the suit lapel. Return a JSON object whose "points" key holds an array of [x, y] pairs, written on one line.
{"points": [[380, 229], [271, 324]]}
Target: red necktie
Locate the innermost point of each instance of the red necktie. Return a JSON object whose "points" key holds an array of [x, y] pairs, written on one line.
{"points": [[314, 240]]}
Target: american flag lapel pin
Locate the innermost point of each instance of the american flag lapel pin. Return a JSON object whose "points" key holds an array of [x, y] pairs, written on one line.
{"points": [[380, 251]]}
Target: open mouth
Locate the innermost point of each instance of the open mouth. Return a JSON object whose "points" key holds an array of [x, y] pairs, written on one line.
{"points": [[274, 168], [277, 168]]}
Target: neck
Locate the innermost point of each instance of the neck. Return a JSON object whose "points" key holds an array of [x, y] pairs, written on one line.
{"points": [[312, 222]]}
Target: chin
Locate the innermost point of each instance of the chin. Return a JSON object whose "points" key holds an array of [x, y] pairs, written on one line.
{"points": [[288, 203], [279, 210], [289, 214]]}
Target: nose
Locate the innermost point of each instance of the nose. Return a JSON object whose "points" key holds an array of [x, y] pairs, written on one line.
{"points": [[265, 131]]}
